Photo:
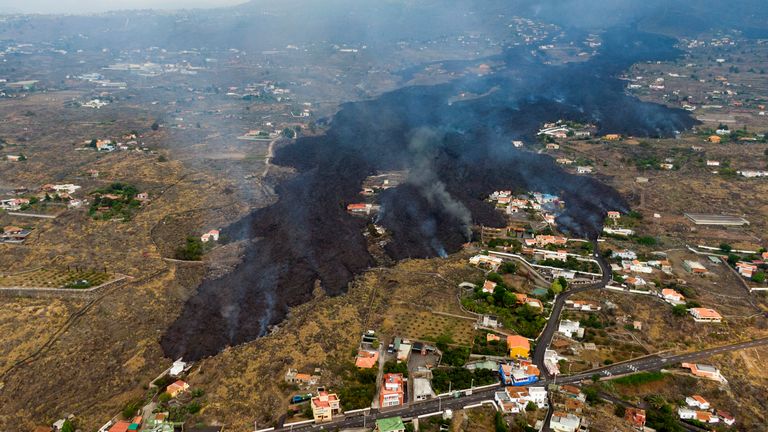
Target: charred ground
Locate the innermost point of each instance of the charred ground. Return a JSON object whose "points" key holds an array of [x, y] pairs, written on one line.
{"points": [[457, 153]]}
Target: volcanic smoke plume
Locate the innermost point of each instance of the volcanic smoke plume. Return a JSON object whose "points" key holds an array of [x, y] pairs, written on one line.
{"points": [[456, 154]]}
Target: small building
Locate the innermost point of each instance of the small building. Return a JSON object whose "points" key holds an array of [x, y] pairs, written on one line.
{"points": [[564, 422], [614, 215], [697, 401], [584, 169], [489, 286], [177, 388], [705, 315], [177, 368], [635, 417], [726, 417], [324, 406], [714, 139], [212, 235], [673, 297], [518, 346], [694, 267], [422, 389], [392, 424], [366, 359], [704, 371], [120, 426], [570, 329], [489, 321]]}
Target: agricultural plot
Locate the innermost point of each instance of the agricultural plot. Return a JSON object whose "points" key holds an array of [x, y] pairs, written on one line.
{"points": [[429, 326]]}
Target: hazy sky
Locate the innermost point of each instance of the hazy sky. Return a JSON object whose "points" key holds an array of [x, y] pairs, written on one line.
{"points": [[87, 6]]}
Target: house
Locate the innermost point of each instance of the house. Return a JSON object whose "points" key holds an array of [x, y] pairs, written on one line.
{"points": [[324, 406], [706, 417], [694, 267], [422, 389], [686, 413], [489, 286], [212, 235], [12, 234], [570, 328], [532, 302], [517, 144], [564, 161], [558, 255], [489, 321], [490, 337], [697, 401], [392, 390], [518, 346], [614, 215], [612, 137], [142, 196], [366, 359], [120, 426], [705, 315], [177, 368], [13, 204], [294, 377], [713, 163], [625, 232], [704, 371], [635, 417], [573, 392], [553, 146], [726, 417], [359, 208], [564, 422], [177, 388], [714, 139], [583, 305], [584, 169], [14, 158], [486, 260], [746, 269], [544, 240], [667, 166], [519, 374], [392, 424], [624, 254], [515, 399], [672, 297]]}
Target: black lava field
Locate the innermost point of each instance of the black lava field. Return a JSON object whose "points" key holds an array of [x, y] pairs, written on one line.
{"points": [[456, 154]]}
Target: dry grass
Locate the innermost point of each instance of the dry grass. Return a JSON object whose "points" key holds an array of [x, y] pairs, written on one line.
{"points": [[53, 278]]}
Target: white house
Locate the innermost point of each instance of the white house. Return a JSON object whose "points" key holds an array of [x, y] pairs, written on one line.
{"points": [[697, 401], [570, 328], [686, 413], [564, 422], [210, 235], [584, 169], [624, 255], [177, 368], [672, 297]]}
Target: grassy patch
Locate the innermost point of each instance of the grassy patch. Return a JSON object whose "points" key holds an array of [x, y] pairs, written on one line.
{"points": [[640, 378]]}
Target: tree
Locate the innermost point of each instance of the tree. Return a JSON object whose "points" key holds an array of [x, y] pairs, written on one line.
{"points": [[619, 410], [595, 377], [500, 424], [155, 126], [758, 277], [556, 287], [725, 247], [679, 310], [531, 407], [67, 427], [163, 398], [508, 267], [733, 259]]}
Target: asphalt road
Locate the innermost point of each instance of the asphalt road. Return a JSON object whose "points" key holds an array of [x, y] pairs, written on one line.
{"points": [[545, 339], [649, 363]]}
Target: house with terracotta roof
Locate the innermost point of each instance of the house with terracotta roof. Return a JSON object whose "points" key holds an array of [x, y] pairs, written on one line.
{"points": [[518, 346], [532, 302], [704, 371], [726, 417], [324, 406], [392, 390], [489, 286], [705, 315], [635, 417], [672, 297], [120, 426], [490, 337], [583, 305], [746, 269], [366, 359], [697, 401], [293, 376], [177, 388], [212, 235]]}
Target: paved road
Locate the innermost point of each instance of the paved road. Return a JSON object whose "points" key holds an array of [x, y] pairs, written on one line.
{"points": [[658, 362], [434, 405], [545, 339]]}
